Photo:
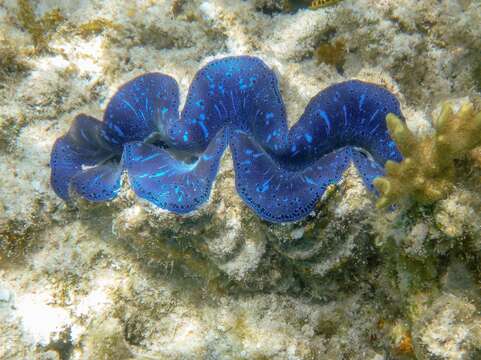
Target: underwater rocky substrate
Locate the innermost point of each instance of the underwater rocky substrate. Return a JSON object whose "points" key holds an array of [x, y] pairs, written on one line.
{"points": [[402, 261]]}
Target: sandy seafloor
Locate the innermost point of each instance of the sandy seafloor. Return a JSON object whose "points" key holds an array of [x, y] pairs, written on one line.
{"points": [[123, 280]]}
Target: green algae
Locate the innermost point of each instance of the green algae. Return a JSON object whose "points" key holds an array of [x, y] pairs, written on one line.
{"points": [[40, 29], [11, 61], [331, 53], [477, 76], [10, 127], [16, 238], [105, 340], [95, 27]]}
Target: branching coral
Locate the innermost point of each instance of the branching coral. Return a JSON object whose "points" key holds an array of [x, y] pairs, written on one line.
{"points": [[427, 172]]}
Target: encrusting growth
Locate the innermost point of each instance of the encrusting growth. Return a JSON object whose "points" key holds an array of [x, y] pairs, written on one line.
{"points": [[427, 172]]}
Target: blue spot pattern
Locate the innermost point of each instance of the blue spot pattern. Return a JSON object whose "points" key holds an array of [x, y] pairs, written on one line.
{"points": [[172, 161]]}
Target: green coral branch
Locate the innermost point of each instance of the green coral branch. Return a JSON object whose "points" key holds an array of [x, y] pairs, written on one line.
{"points": [[427, 173]]}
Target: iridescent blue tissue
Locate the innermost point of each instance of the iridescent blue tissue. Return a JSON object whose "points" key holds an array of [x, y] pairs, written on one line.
{"points": [[181, 186], [87, 160], [83, 151], [172, 160]]}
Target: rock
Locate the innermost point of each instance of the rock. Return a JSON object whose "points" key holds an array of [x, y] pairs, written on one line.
{"points": [[449, 329]]}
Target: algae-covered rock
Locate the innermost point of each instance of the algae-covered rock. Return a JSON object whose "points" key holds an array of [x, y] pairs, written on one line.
{"points": [[449, 329], [334, 240], [105, 340], [224, 241], [459, 215], [225, 238]]}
